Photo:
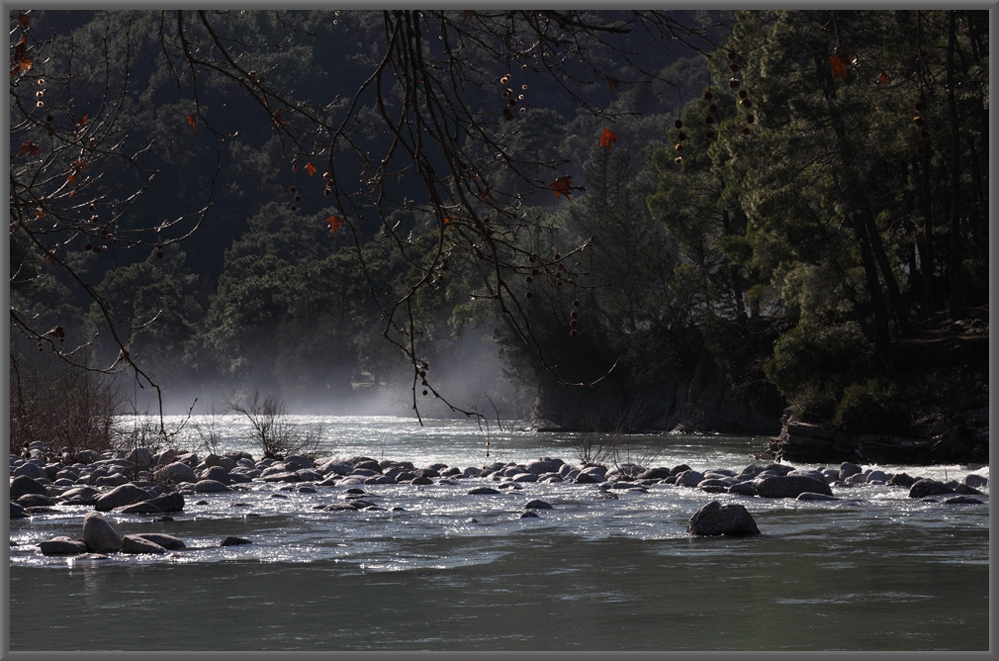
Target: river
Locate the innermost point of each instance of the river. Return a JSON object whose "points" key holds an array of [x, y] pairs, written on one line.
{"points": [[435, 568]]}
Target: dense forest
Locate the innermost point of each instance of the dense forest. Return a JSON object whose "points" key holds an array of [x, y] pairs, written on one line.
{"points": [[635, 221]]}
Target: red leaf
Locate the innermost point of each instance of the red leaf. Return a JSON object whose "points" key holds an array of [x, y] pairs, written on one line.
{"points": [[79, 165], [29, 148], [608, 139], [310, 168], [22, 21], [561, 185], [192, 122], [883, 79], [83, 121], [334, 222], [837, 64]]}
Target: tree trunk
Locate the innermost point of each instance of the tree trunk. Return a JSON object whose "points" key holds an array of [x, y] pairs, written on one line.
{"points": [[955, 249]]}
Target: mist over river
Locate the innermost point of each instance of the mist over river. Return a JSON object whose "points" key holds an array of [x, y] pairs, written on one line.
{"points": [[436, 568]]}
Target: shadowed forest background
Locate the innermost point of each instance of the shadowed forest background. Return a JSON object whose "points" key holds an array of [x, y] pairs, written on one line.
{"points": [[371, 213]]}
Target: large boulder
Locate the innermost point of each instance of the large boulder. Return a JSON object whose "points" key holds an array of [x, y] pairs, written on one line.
{"points": [[32, 470], [120, 496], [717, 519], [168, 542], [927, 487], [142, 458], [98, 535], [62, 546], [790, 486], [23, 484], [135, 544], [210, 486], [176, 473], [171, 502]]}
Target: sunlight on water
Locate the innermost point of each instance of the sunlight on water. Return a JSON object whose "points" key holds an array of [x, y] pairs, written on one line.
{"points": [[600, 568]]}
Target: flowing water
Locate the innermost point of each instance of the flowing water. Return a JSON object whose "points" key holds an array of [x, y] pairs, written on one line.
{"points": [[438, 569]]}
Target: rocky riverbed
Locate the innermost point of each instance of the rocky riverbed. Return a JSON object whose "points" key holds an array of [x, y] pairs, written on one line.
{"points": [[158, 486]]}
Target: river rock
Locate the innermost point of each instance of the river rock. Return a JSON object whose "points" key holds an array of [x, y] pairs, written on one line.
{"points": [[976, 481], [32, 470], [98, 534], [689, 478], [901, 480], [126, 494], [477, 491], [135, 545], [168, 542], [717, 519], [176, 473], [848, 469], [743, 488], [537, 504], [23, 484], [234, 541], [927, 487], [210, 486], [18, 512], [790, 486], [216, 473], [35, 500], [962, 500], [810, 495], [142, 458], [171, 502], [62, 545]]}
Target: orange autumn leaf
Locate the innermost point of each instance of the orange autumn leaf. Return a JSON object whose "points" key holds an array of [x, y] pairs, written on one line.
{"points": [[22, 21], [71, 179], [561, 185], [29, 148], [334, 222], [883, 79], [192, 122], [448, 220], [608, 139], [837, 64], [310, 168], [79, 165], [84, 120]]}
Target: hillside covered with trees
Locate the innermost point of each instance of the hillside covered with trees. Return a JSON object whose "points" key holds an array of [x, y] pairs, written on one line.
{"points": [[754, 222]]}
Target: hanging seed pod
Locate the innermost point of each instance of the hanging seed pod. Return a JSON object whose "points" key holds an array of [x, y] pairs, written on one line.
{"points": [[681, 136], [678, 160], [679, 147], [731, 55], [710, 135], [746, 130], [678, 124], [709, 120], [733, 67], [918, 106], [746, 103], [712, 108], [573, 332], [708, 96], [743, 94], [733, 83], [920, 150], [918, 121]]}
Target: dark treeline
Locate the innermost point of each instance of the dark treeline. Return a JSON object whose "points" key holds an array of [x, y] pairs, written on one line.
{"points": [[770, 221]]}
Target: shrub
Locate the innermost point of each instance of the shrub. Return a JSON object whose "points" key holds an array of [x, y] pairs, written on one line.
{"points": [[869, 406], [68, 410], [276, 435]]}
